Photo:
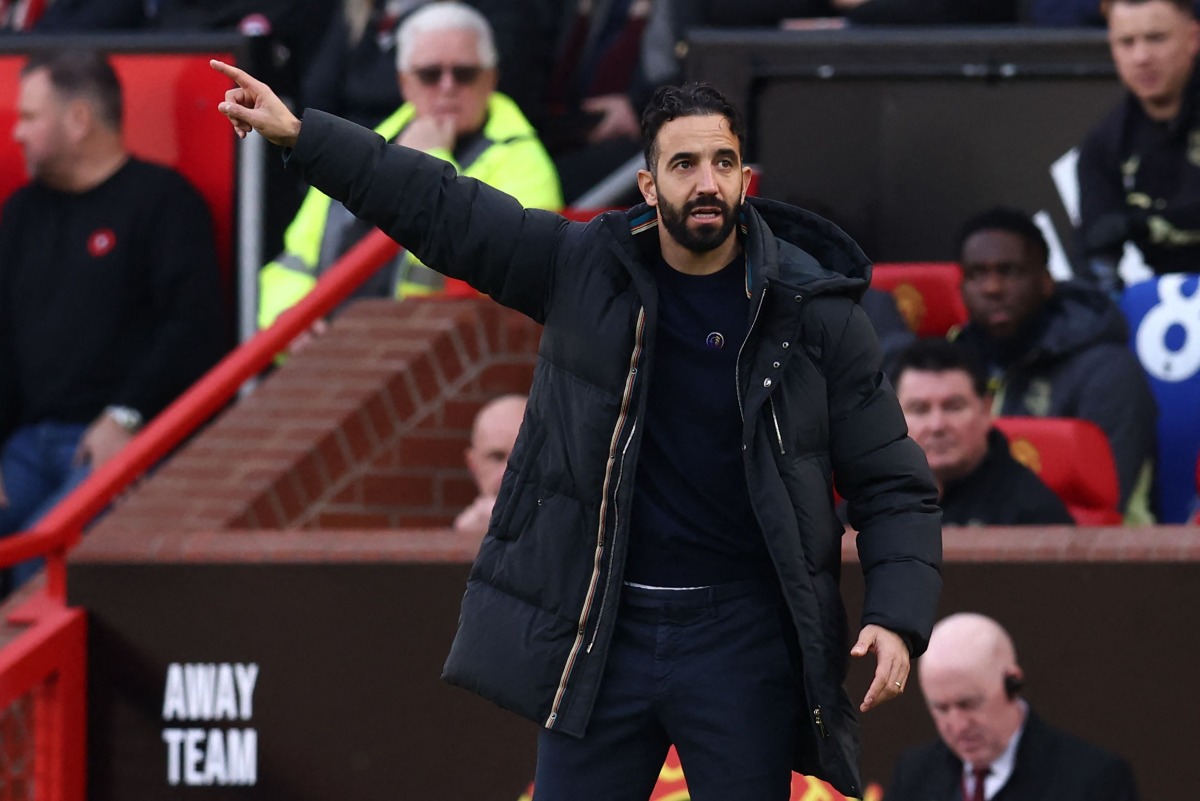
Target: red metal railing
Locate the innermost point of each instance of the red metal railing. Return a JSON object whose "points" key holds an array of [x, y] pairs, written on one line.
{"points": [[46, 664], [46, 660]]}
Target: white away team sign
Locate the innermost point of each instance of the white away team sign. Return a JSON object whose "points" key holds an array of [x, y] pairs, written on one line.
{"points": [[210, 696]]}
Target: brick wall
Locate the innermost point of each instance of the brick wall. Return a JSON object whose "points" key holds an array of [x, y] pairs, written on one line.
{"points": [[363, 429]]}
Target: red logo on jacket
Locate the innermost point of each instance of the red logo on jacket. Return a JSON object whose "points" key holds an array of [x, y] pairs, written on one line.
{"points": [[101, 242]]}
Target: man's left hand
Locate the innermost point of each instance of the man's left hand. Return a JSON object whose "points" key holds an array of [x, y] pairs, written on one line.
{"points": [[891, 666], [102, 441]]}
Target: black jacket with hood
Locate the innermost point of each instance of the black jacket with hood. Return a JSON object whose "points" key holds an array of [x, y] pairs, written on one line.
{"points": [[542, 596]]}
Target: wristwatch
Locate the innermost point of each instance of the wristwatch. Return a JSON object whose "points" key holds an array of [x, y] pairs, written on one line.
{"points": [[126, 417]]}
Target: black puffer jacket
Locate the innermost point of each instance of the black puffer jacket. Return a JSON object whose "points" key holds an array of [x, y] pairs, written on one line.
{"points": [[541, 598]]}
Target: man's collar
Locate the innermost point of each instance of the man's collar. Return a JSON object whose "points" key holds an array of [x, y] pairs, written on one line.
{"points": [[1002, 769]]}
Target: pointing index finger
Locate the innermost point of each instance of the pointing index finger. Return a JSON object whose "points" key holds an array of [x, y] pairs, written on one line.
{"points": [[239, 75]]}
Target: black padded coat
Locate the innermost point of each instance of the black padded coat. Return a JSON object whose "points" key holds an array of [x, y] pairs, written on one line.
{"points": [[542, 595]]}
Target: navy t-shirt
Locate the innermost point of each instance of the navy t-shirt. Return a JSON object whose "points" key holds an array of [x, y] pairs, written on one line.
{"points": [[692, 522]]}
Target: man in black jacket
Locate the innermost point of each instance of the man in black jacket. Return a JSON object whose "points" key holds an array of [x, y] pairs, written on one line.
{"points": [[1139, 168], [993, 747], [661, 566], [944, 397]]}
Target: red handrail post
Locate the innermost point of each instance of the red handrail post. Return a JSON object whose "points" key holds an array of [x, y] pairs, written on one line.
{"points": [[49, 660], [60, 709]]}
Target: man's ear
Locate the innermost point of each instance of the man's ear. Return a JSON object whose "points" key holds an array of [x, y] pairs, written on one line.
{"points": [[78, 119], [747, 174], [646, 186]]}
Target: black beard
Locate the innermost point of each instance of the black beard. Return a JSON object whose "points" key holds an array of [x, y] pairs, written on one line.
{"points": [[697, 241]]}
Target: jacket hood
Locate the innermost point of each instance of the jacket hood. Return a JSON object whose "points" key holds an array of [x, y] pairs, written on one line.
{"points": [[810, 251], [782, 242], [1079, 316]]}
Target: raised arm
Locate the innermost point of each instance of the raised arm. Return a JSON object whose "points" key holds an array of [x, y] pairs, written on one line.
{"points": [[456, 225]]}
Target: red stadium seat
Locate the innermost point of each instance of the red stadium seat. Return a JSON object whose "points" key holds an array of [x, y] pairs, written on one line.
{"points": [[1074, 459], [927, 294]]}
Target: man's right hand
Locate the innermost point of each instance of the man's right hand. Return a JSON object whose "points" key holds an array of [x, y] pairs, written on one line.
{"points": [[428, 134], [252, 106]]}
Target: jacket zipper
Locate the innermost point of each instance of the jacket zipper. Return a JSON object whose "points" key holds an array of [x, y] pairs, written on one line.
{"points": [[737, 369], [820, 722], [630, 380], [616, 526]]}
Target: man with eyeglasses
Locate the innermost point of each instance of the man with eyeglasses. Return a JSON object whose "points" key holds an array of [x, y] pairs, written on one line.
{"points": [[446, 65], [1055, 350]]}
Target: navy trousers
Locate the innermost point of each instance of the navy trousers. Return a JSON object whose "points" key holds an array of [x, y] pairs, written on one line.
{"points": [[38, 470], [714, 672]]}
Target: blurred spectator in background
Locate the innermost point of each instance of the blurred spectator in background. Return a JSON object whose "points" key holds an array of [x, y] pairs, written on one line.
{"points": [[992, 745], [493, 435], [284, 34], [446, 61], [1139, 169], [293, 26], [20, 15], [1055, 350], [944, 398], [352, 72], [610, 57], [109, 298]]}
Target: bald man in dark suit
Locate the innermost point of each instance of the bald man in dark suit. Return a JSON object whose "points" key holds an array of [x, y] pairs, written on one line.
{"points": [[992, 746]]}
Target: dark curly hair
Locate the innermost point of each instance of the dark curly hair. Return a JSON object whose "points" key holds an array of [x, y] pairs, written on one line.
{"points": [[689, 100]]}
